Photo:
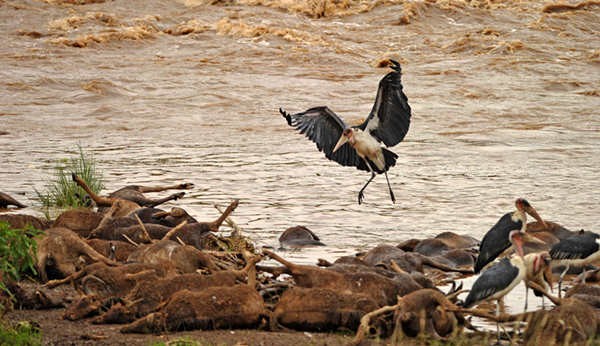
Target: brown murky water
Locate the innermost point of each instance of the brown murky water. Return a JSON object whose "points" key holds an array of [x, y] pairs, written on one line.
{"points": [[505, 98]]}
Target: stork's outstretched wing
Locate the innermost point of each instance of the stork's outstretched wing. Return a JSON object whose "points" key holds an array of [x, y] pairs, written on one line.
{"points": [[324, 127], [390, 117]]}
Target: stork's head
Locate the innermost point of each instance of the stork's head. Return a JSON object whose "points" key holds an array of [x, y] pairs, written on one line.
{"points": [[346, 136], [523, 205], [541, 261]]}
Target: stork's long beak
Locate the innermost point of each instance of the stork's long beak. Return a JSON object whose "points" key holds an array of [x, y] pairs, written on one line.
{"points": [[528, 238], [531, 211], [343, 139]]}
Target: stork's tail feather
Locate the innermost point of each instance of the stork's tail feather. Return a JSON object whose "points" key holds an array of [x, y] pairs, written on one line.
{"points": [[390, 158]]}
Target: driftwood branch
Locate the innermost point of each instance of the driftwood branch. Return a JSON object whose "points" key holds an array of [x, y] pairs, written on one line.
{"points": [[237, 231]]}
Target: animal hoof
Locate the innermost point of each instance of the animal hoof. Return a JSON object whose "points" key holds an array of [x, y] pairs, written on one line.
{"points": [[178, 195], [186, 186]]}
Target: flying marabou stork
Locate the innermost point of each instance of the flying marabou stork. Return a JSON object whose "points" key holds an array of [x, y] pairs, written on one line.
{"points": [[500, 278], [360, 146], [577, 250], [496, 240]]}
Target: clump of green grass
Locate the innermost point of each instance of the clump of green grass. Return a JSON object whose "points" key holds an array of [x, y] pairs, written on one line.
{"points": [[62, 191], [17, 255], [22, 334]]}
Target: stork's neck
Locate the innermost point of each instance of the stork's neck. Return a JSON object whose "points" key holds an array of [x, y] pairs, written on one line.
{"points": [[520, 215], [518, 262]]}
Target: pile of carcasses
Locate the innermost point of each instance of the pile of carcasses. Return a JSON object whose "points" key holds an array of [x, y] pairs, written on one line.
{"points": [[157, 271]]}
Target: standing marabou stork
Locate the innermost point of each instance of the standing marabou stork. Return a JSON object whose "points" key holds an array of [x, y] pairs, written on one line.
{"points": [[360, 146], [500, 278], [496, 241], [577, 250]]}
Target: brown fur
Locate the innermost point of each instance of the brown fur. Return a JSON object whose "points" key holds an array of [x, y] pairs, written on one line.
{"points": [[118, 207], [121, 252], [407, 261], [572, 322], [321, 309], [238, 306], [80, 221], [187, 259], [423, 311], [380, 288], [146, 297], [21, 221], [103, 284], [64, 252]]}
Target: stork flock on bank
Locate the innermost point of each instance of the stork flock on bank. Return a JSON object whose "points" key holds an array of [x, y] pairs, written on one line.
{"points": [[362, 146]]}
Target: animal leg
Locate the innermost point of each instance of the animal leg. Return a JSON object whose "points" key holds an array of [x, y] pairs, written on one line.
{"points": [[155, 202], [184, 186], [390, 187], [361, 194]]}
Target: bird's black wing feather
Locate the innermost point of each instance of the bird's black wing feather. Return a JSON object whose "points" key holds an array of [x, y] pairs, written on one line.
{"points": [[494, 279], [322, 126], [495, 241], [389, 119], [578, 246]]}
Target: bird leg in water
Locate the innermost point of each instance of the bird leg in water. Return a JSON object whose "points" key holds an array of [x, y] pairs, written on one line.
{"points": [[390, 187], [361, 194]]}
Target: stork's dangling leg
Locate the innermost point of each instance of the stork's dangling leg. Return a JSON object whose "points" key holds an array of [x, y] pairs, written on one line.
{"points": [[498, 323], [560, 279], [526, 297], [390, 187], [361, 194]]}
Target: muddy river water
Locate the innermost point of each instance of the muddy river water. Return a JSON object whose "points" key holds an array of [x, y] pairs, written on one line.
{"points": [[505, 98]]}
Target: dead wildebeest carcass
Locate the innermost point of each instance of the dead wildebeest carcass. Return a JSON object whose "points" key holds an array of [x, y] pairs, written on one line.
{"points": [[238, 306], [423, 312], [407, 261], [61, 253], [147, 297], [81, 221], [103, 285], [573, 322], [352, 264], [6, 200], [115, 250], [135, 193], [299, 236], [320, 309], [22, 221], [380, 288], [166, 218], [195, 234], [186, 258], [119, 207]]}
